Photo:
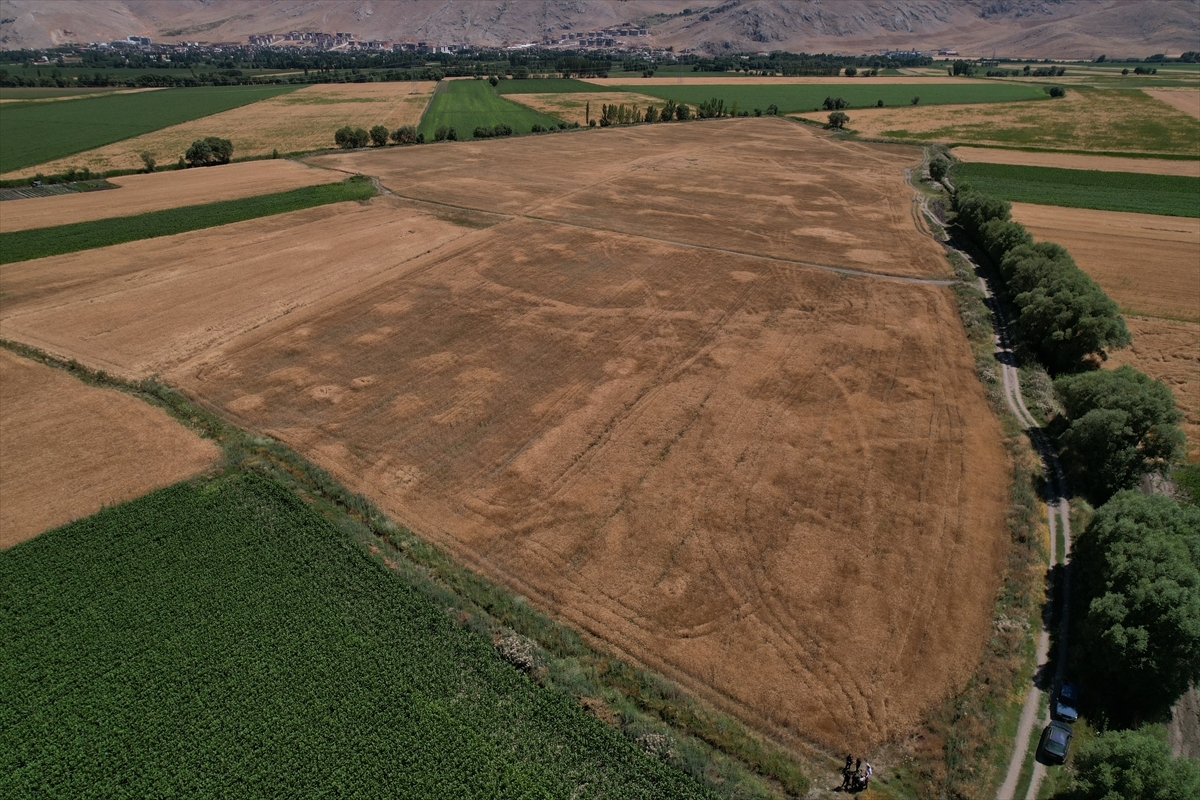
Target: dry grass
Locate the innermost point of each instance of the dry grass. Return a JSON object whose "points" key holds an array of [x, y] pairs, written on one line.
{"points": [[572, 106], [1149, 264], [298, 121], [780, 485], [67, 449], [141, 193], [1150, 166], [1186, 100]]}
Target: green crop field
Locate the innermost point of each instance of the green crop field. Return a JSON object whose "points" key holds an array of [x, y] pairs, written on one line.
{"points": [[792, 97], [42, 242], [33, 133], [468, 104], [1174, 195], [44, 92], [547, 86], [220, 639]]}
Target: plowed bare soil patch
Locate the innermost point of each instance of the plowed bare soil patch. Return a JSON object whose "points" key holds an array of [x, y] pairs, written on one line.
{"points": [[1186, 100], [1149, 264], [67, 449], [1150, 166], [298, 121], [136, 308], [1169, 351], [141, 193], [761, 186]]}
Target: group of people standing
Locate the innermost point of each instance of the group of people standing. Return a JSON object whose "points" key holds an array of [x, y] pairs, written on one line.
{"points": [[856, 775]]}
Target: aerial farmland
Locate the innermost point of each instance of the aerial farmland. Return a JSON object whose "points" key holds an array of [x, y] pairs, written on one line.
{"points": [[513, 424]]}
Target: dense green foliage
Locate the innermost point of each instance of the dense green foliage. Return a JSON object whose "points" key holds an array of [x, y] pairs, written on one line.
{"points": [[34, 133], [467, 104], [1119, 765], [1121, 424], [222, 639], [1175, 195], [792, 97], [349, 138], [1063, 315], [41, 242], [206, 152], [1137, 594]]}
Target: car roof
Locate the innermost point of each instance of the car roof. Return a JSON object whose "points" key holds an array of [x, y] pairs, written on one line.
{"points": [[1059, 733]]}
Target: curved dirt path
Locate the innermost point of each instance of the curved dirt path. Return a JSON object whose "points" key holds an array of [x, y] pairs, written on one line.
{"points": [[1058, 516]]}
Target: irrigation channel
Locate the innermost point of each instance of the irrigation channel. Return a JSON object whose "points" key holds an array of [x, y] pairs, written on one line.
{"points": [[1058, 515]]}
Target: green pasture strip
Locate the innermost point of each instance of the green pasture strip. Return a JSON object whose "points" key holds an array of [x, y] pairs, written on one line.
{"points": [[547, 86], [43, 92], [1112, 153], [796, 97], [220, 638], [42, 242], [468, 104], [34, 133], [1172, 195]]}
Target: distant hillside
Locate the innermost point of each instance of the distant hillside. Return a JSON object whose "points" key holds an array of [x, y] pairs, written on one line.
{"points": [[1026, 28]]}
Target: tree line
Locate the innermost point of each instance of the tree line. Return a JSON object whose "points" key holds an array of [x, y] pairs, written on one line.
{"points": [[1136, 596]]}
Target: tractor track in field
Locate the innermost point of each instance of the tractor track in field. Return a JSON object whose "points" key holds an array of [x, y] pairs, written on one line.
{"points": [[1058, 517]]}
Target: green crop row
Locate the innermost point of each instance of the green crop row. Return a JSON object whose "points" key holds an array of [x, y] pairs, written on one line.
{"points": [[34, 133], [796, 97], [220, 638], [547, 86], [1173, 195], [42, 242], [469, 104]]}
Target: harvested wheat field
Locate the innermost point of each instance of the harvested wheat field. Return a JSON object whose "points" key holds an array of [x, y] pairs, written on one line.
{"points": [[1149, 264], [1186, 100], [67, 449], [1169, 351], [138, 194], [294, 122], [573, 106], [1025, 158], [756, 186], [135, 309], [779, 484]]}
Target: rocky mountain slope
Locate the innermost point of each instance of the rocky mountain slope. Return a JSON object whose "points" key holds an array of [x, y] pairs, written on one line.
{"points": [[1025, 28]]}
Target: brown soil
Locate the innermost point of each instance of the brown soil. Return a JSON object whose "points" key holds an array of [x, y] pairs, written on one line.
{"points": [[298, 121], [67, 449], [135, 309], [1186, 100], [1152, 166], [573, 106], [762, 186], [1170, 352], [1148, 263], [780, 485], [141, 193]]}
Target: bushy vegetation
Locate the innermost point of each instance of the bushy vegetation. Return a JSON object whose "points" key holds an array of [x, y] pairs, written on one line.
{"points": [[221, 638], [1118, 765], [791, 98], [1175, 195], [465, 105], [41, 242], [206, 152], [349, 138], [34, 133]]}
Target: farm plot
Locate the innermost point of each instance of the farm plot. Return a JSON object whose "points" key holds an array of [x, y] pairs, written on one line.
{"points": [[37, 133], [758, 186], [141, 193], [573, 106], [223, 640], [301, 121], [779, 485], [1149, 166], [67, 449], [1101, 120], [467, 104], [136, 308]]}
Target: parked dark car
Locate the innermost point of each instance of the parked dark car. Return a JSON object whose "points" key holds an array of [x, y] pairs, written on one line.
{"points": [[1055, 743], [1066, 704]]}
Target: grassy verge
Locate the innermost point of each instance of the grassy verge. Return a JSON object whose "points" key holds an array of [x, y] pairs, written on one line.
{"points": [[34, 133], [42, 242], [1173, 195], [647, 709], [469, 104], [793, 97]]}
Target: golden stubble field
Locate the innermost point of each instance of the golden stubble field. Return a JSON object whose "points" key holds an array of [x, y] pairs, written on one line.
{"points": [[137, 194], [1150, 166], [574, 106], [298, 121], [67, 449], [778, 484]]}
